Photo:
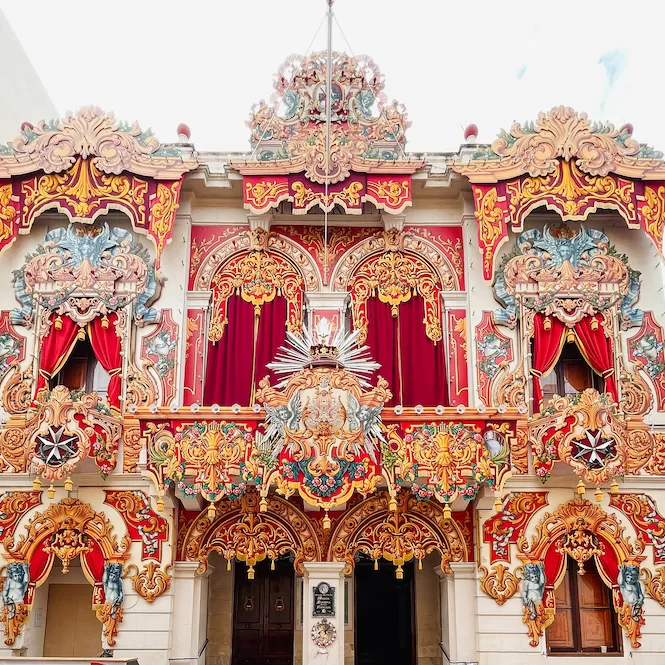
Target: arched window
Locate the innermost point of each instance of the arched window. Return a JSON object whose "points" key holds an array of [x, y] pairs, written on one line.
{"points": [[585, 619]]}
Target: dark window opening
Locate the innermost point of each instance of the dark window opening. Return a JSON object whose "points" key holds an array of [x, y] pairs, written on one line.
{"points": [[585, 619], [571, 375], [82, 371]]}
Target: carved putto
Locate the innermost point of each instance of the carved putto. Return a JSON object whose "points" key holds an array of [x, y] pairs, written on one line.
{"points": [[566, 273], [366, 132], [84, 271], [114, 146]]}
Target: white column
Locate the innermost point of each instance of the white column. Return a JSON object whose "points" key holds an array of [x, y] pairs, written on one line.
{"points": [[332, 574], [190, 614], [458, 613]]}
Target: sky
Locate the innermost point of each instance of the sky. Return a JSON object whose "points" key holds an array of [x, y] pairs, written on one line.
{"points": [[451, 63]]}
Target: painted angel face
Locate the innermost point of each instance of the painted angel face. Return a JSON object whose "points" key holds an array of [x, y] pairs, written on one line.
{"points": [[532, 573], [15, 572], [114, 573], [630, 575]]}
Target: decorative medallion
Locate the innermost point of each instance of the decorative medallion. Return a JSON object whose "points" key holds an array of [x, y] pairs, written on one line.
{"points": [[323, 635], [86, 271], [567, 273]]}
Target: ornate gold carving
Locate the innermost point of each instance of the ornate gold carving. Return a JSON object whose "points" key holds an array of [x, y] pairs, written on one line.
{"points": [[17, 393], [511, 387], [539, 619], [110, 616], [304, 197], [656, 465], [500, 583], [653, 212], [636, 396], [151, 581], [655, 584], [414, 530], [257, 277], [132, 445], [240, 531], [140, 389], [393, 277]]}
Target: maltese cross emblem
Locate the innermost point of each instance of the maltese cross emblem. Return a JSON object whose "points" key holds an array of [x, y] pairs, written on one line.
{"points": [[55, 447], [594, 451]]}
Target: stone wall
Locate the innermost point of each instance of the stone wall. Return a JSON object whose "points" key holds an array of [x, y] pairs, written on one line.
{"points": [[220, 613], [428, 613]]}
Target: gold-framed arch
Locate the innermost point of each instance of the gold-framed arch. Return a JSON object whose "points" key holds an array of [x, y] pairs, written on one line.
{"points": [[67, 529], [398, 531], [394, 266], [249, 532], [582, 531]]}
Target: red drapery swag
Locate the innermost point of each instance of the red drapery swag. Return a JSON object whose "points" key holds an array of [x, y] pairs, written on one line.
{"points": [[107, 347], [413, 364], [594, 345], [56, 347], [250, 341], [547, 345]]}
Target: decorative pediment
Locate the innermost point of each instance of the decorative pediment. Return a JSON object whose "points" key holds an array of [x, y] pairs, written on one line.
{"points": [[54, 146], [366, 135], [567, 273], [84, 271], [562, 134]]}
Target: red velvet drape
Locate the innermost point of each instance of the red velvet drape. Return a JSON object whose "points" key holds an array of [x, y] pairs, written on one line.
{"points": [[238, 361], [107, 347], [56, 347], [382, 340], [229, 365], [271, 334], [413, 365], [422, 362], [596, 348], [547, 345]]}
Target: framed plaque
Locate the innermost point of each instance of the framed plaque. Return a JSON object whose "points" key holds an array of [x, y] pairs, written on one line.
{"points": [[323, 604]]}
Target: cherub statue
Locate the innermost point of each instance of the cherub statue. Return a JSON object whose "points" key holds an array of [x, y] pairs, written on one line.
{"points": [[631, 589], [113, 586], [533, 587], [278, 418], [16, 584], [367, 417]]}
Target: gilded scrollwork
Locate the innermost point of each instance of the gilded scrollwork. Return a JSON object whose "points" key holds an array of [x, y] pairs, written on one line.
{"points": [[499, 583], [151, 581]]}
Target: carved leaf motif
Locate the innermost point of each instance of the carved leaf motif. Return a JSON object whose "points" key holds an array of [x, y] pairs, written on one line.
{"points": [[499, 584]]}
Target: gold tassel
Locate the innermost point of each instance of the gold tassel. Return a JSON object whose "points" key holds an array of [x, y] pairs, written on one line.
{"points": [[263, 505], [212, 511], [420, 564], [105, 321], [57, 324], [447, 513], [228, 564], [570, 337], [81, 335], [160, 505], [399, 573], [580, 488], [51, 492], [498, 505], [69, 485], [392, 504], [614, 487], [547, 323], [272, 564], [250, 573], [376, 564], [594, 324], [36, 484], [326, 521], [598, 494]]}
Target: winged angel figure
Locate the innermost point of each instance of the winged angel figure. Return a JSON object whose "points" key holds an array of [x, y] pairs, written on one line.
{"points": [[278, 420], [369, 419]]}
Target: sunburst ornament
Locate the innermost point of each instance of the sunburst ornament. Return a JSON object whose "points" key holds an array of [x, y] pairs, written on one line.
{"points": [[323, 348]]}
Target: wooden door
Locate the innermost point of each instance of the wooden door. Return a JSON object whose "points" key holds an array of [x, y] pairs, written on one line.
{"points": [[263, 615], [72, 629], [384, 615]]}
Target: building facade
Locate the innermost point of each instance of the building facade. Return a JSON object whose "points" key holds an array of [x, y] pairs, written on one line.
{"points": [[328, 401]]}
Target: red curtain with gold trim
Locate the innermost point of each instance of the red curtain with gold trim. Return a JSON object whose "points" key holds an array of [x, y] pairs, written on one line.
{"points": [[250, 341], [596, 347], [547, 344], [422, 362], [107, 347], [56, 347], [382, 336], [271, 334], [413, 365], [229, 365]]}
